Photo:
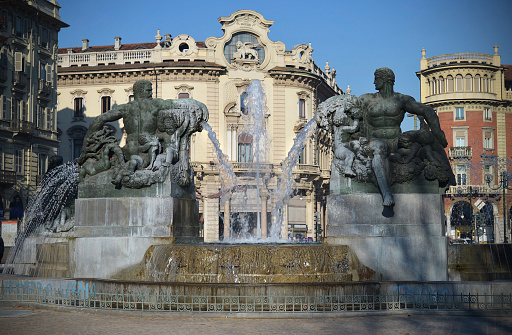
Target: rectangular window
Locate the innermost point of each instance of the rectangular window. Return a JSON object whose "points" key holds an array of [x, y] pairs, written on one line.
{"points": [[5, 111], [488, 140], [44, 37], [302, 156], [302, 108], [105, 104], [487, 114], [130, 97], [40, 117], [245, 152], [461, 174], [460, 142], [49, 119], [79, 107], [18, 161], [183, 96], [459, 113], [77, 147], [24, 110], [1, 159], [42, 71], [42, 164]]}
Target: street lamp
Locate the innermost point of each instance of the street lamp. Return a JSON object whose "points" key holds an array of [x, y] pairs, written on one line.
{"points": [[505, 177]]}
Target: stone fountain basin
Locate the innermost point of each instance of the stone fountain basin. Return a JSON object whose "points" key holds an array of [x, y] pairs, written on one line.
{"points": [[249, 263]]}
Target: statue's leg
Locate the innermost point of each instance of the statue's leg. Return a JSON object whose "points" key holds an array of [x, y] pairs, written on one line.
{"points": [[380, 165]]}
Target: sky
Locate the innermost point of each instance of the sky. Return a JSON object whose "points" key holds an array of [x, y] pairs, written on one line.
{"points": [[355, 37]]}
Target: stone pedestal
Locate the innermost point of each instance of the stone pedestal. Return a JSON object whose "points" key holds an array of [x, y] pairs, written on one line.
{"points": [[405, 243], [113, 234]]}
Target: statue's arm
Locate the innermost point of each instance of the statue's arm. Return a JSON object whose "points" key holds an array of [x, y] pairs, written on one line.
{"points": [[97, 124], [351, 129], [417, 108]]}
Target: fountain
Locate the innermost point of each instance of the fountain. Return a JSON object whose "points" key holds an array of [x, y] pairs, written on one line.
{"points": [[136, 217]]}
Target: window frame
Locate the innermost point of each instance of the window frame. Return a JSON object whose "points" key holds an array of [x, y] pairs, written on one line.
{"points": [[102, 103], [458, 111]]}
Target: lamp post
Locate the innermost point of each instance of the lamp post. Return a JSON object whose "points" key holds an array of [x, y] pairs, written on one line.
{"points": [[505, 177]]}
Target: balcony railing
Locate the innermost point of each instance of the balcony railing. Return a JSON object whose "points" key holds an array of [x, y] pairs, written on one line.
{"points": [[22, 127], [7, 177], [251, 167], [45, 87], [475, 189], [460, 152], [20, 79], [507, 95], [307, 168]]}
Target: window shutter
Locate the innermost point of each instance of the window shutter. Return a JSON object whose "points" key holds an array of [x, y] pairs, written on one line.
{"points": [[48, 73], [18, 61]]}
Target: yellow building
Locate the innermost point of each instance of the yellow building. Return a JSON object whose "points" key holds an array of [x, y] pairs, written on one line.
{"points": [[28, 129], [217, 71], [472, 94]]}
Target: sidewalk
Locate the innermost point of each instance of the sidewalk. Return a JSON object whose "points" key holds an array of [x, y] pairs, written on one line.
{"points": [[32, 320]]}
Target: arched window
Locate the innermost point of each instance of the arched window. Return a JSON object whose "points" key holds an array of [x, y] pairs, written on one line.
{"points": [[16, 206], [434, 86], [485, 84], [441, 85], [230, 48], [477, 83], [449, 85], [469, 83], [458, 83]]}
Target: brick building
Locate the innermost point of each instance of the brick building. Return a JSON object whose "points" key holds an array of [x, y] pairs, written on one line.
{"points": [[472, 95]]}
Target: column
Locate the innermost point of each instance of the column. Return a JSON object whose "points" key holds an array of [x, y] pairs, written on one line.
{"points": [[263, 214], [227, 224]]}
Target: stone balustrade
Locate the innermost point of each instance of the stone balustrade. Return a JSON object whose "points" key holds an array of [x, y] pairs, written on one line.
{"points": [[459, 58], [107, 57]]}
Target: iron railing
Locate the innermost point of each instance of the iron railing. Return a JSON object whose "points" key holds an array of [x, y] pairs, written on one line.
{"points": [[205, 303]]}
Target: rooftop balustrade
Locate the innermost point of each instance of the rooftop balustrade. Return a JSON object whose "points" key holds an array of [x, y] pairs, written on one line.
{"points": [[459, 58]]}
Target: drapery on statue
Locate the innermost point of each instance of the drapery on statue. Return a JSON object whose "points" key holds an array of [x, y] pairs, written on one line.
{"points": [[369, 146], [157, 142]]}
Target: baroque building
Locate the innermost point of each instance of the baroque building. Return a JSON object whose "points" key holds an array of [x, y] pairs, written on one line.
{"points": [[28, 80], [472, 95], [217, 72]]}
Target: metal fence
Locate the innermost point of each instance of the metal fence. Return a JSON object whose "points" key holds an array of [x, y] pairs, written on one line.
{"points": [[185, 303]]}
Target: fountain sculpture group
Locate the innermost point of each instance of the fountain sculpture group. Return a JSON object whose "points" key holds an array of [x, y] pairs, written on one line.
{"points": [[136, 216]]}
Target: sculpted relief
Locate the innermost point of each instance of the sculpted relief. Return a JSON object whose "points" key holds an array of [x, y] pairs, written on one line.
{"points": [[157, 143], [369, 146]]}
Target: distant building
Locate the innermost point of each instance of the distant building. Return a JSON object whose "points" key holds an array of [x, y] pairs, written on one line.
{"points": [[28, 123], [217, 71], [472, 94]]}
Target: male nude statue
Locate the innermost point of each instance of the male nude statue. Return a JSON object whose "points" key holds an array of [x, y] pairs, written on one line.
{"points": [[385, 112]]}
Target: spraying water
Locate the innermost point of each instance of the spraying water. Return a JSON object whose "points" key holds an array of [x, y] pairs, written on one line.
{"points": [[256, 130], [57, 192]]}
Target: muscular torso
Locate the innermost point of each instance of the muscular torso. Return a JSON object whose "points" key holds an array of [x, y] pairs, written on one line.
{"points": [[383, 116]]}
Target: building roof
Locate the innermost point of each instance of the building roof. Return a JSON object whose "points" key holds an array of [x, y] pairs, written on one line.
{"points": [[132, 46], [179, 64], [508, 71]]}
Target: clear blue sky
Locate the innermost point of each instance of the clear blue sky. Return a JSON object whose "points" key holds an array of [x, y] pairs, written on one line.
{"points": [[356, 36]]}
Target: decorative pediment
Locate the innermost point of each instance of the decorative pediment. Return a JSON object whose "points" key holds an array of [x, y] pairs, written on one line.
{"points": [[183, 45], [184, 88], [106, 91], [78, 93], [303, 95], [246, 18]]}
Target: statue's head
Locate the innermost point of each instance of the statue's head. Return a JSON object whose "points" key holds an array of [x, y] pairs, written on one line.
{"points": [[384, 80], [142, 89]]}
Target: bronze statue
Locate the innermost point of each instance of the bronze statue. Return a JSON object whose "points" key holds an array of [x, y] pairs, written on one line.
{"points": [[376, 137], [157, 140]]}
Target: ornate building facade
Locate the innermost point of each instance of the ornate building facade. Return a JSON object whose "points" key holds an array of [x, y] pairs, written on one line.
{"points": [[217, 71], [28, 80], [472, 94]]}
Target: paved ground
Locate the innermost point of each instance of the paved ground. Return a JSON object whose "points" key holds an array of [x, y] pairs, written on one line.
{"points": [[30, 320]]}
